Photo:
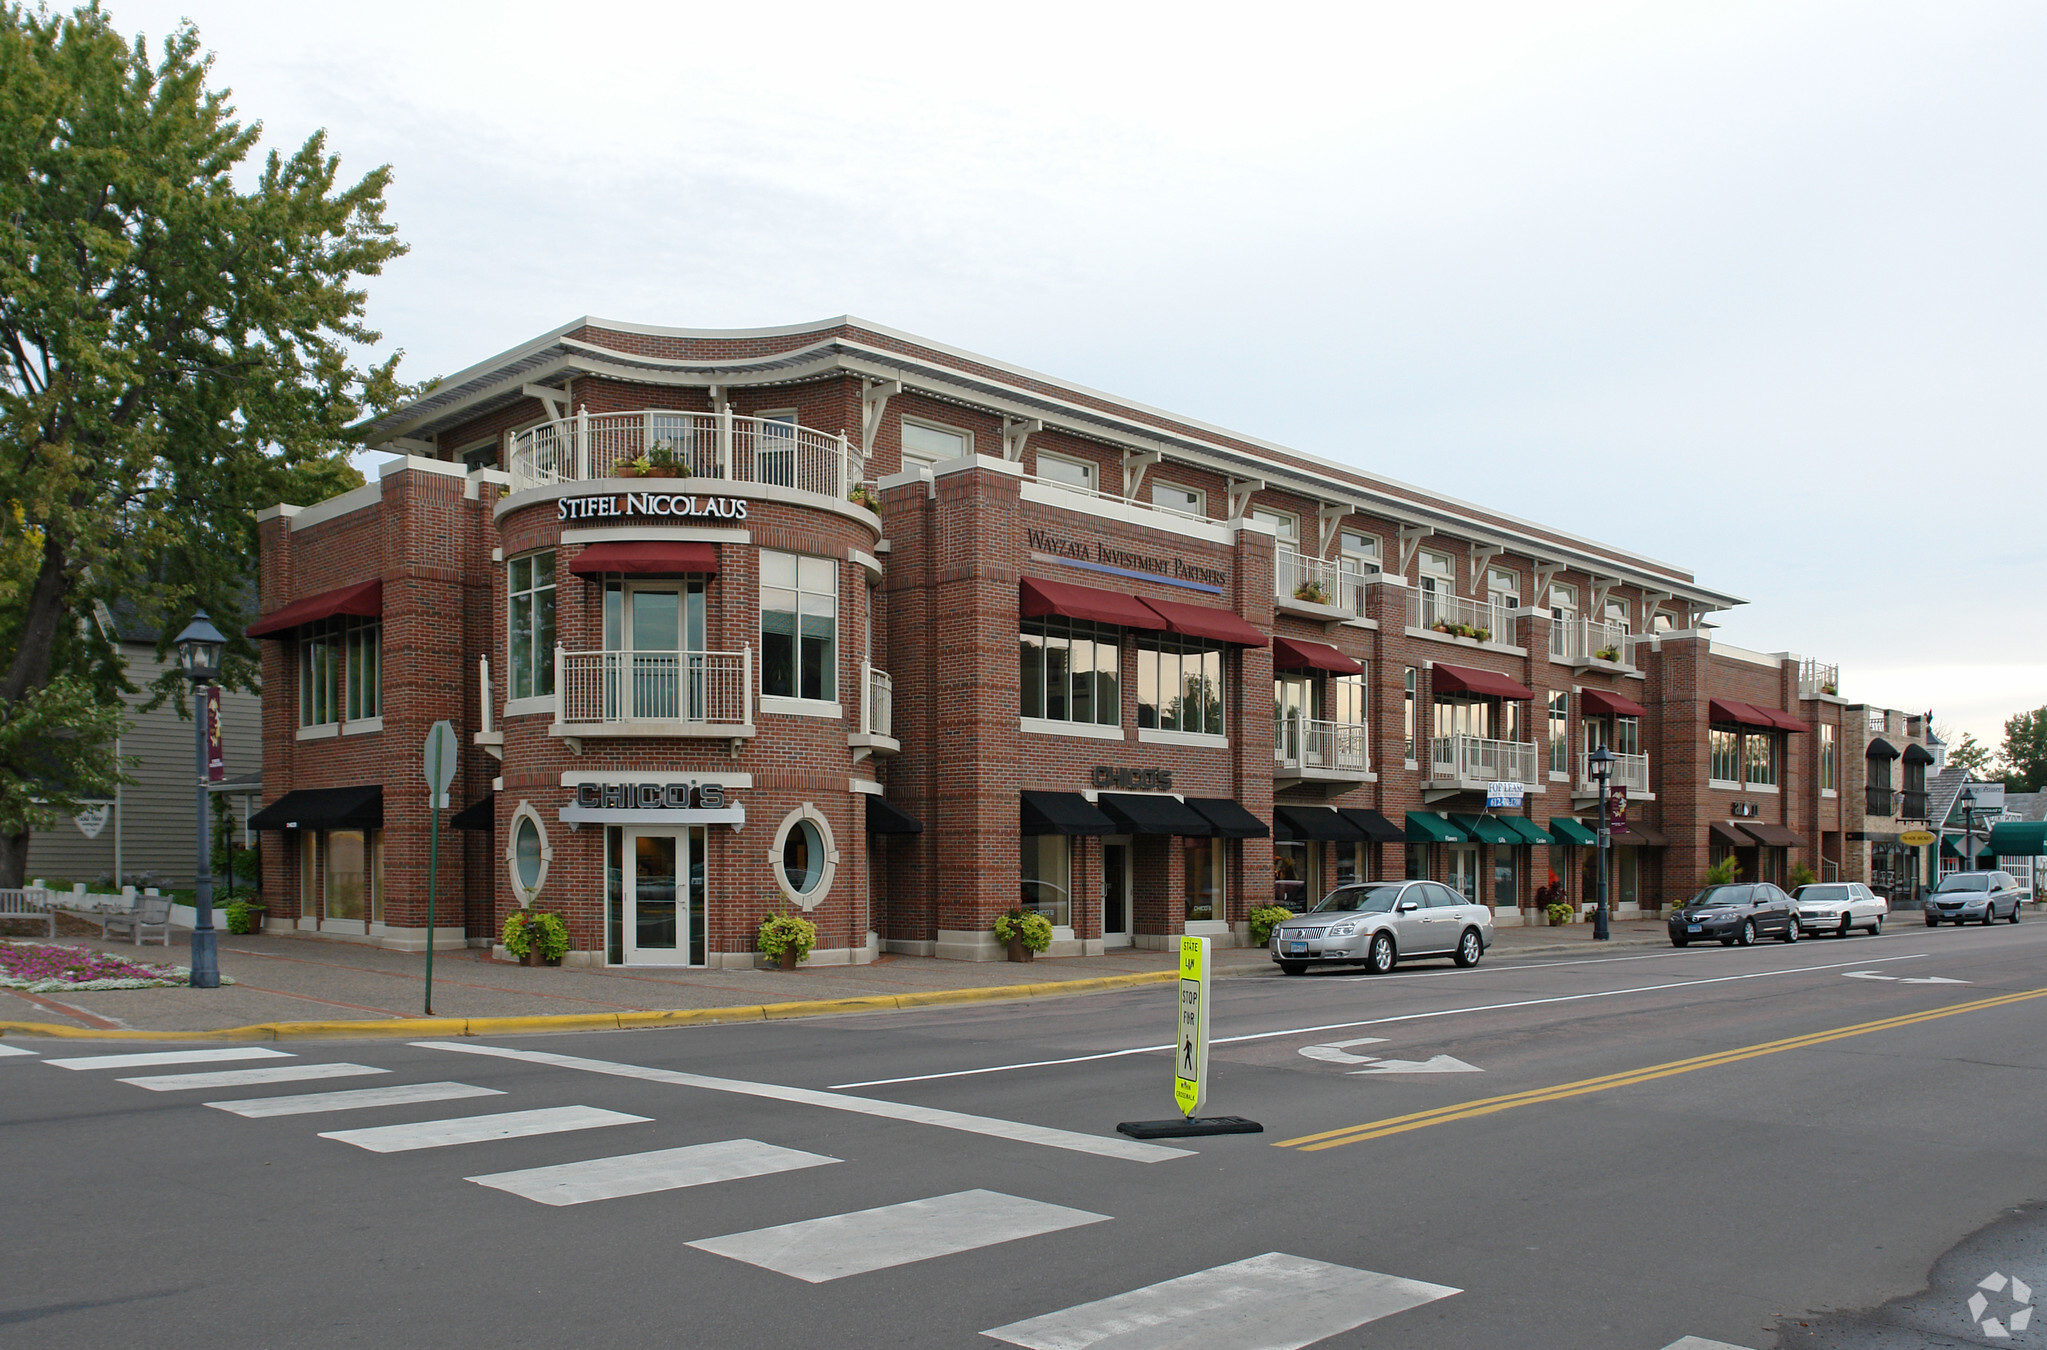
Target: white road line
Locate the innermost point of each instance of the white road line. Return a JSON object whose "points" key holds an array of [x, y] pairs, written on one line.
{"points": [[7, 1050], [1109, 1146], [352, 1099], [226, 1078], [666, 1169], [478, 1129], [1272, 1302], [1370, 1022], [169, 1057], [839, 1245], [1701, 1343]]}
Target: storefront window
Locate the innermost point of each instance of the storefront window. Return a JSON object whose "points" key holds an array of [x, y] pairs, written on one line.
{"points": [[1417, 862], [799, 626], [1293, 874], [1068, 671], [1179, 684], [529, 617], [347, 873], [1047, 877], [1203, 870], [1627, 879], [1506, 879]]}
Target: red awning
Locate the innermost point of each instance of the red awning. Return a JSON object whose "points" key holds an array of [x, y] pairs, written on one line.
{"points": [[1204, 622], [1599, 703], [1035, 597], [1468, 680], [1783, 720], [365, 600], [648, 558], [1741, 714], [1294, 654]]}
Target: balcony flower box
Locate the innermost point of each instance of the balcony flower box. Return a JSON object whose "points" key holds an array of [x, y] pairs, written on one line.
{"points": [[1612, 654], [1314, 592]]}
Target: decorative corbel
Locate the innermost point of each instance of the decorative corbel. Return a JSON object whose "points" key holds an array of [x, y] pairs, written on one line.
{"points": [[874, 397], [1241, 490], [1545, 573], [1015, 431], [1135, 462], [1411, 537], [1330, 516], [556, 401]]}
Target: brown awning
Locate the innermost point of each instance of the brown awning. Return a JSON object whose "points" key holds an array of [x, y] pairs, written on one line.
{"points": [[1295, 654], [1205, 622], [1035, 598], [1641, 836], [1775, 835], [364, 600], [1728, 835], [1599, 703], [1784, 720], [1747, 715], [648, 558], [1469, 680]]}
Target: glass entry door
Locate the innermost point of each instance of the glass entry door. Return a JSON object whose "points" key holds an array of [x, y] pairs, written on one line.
{"points": [[1115, 892], [1464, 873], [657, 630], [660, 897]]}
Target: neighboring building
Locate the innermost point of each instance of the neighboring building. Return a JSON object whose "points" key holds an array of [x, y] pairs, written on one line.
{"points": [[1029, 665], [148, 828], [1892, 764]]}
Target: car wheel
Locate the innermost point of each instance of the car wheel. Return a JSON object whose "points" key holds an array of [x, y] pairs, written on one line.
{"points": [[2014, 912], [1932, 922], [1791, 933], [1380, 957], [1748, 933], [1846, 927], [1876, 927], [1989, 914], [1680, 942], [1469, 948], [1292, 967]]}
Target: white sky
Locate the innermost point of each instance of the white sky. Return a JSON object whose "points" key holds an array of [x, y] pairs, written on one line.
{"points": [[1751, 287]]}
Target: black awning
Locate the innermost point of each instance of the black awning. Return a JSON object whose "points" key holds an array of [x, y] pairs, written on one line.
{"points": [[1377, 828], [1063, 813], [885, 817], [323, 809], [481, 814], [1229, 817], [1879, 748], [1916, 753], [1313, 822], [1136, 813]]}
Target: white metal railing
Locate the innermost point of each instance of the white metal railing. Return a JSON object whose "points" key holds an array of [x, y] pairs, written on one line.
{"points": [[1097, 494], [709, 688], [1474, 759], [721, 446], [1301, 743], [1589, 639], [1296, 576], [1628, 771], [1482, 619], [1816, 678], [879, 703]]}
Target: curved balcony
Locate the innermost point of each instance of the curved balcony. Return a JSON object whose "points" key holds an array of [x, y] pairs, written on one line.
{"points": [[721, 446]]}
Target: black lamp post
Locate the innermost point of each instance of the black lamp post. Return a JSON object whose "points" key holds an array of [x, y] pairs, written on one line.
{"points": [[199, 649], [1968, 829], [1602, 768]]}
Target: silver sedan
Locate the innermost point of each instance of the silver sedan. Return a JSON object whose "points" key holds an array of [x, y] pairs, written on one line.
{"points": [[1840, 907], [1378, 924]]}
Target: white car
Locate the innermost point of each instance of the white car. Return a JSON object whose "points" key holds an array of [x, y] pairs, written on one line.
{"points": [[1839, 907]]}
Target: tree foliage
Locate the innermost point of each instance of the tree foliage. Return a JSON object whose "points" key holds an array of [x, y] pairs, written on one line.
{"points": [[1973, 755], [175, 351], [2025, 751]]}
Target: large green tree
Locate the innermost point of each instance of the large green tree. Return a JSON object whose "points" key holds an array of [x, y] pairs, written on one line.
{"points": [[176, 330], [2025, 751]]}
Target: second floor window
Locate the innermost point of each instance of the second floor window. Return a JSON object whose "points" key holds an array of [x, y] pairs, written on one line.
{"points": [[1407, 711], [1627, 735], [1559, 732], [1347, 698], [340, 671], [1759, 750], [529, 622], [1179, 684], [799, 626], [1726, 756], [1830, 769], [1068, 671]]}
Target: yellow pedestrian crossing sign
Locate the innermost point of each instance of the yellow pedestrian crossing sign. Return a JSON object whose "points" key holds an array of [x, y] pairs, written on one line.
{"points": [[1190, 1061]]}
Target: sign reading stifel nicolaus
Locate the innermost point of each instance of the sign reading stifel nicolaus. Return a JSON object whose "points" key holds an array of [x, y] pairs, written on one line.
{"points": [[650, 505]]}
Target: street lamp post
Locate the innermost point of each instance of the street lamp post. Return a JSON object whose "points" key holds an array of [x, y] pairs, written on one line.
{"points": [[199, 648], [1602, 769], [1968, 829]]}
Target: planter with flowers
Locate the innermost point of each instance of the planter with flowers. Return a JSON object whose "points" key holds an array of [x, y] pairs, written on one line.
{"points": [[1025, 932], [1608, 654], [535, 937], [862, 495], [786, 939], [1314, 592]]}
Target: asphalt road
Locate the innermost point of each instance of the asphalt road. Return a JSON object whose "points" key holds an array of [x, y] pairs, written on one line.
{"points": [[1803, 1145]]}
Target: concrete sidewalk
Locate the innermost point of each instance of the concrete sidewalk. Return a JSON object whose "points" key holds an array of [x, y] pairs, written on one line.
{"points": [[286, 979]]}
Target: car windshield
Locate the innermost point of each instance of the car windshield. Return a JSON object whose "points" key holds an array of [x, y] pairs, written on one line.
{"points": [[1966, 881], [1358, 899], [1822, 892], [1720, 895]]}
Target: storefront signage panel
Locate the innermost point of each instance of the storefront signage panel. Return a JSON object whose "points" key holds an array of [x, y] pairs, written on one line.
{"points": [[1140, 780], [651, 796], [650, 506], [1099, 556]]}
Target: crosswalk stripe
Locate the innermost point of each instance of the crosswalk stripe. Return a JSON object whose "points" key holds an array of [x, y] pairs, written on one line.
{"points": [[6, 1050], [839, 1245], [1701, 1343], [352, 1099], [1272, 1302], [477, 1129], [283, 1073], [169, 1057], [665, 1169]]}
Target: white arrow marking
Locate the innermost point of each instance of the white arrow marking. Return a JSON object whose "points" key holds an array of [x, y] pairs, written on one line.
{"points": [[1865, 975], [1439, 1064], [1334, 1052], [1934, 979]]}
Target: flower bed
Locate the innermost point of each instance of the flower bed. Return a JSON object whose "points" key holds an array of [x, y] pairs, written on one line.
{"points": [[38, 968]]}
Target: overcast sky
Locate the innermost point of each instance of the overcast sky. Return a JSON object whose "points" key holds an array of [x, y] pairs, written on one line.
{"points": [[1755, 288]]}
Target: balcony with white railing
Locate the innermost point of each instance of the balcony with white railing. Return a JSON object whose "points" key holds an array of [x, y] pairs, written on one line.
{"points": [[1312, 749], [720, 447], [877, 733], [615, 693], [1580, 642], [1313, 586], [1816, 679], [1460, 616], [1463, 763], [1626, 771]]}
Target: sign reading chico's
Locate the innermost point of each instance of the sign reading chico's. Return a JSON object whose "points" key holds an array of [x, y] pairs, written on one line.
{"points": [[671, 505], [1141, 780], [650, 796]]}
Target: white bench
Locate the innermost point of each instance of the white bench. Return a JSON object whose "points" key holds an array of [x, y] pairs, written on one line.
{"points": [[152, 911], [29, 902]]}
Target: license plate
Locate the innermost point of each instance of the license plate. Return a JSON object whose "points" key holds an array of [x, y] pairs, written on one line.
{"points": [[1694, 927], [1297, 946]]}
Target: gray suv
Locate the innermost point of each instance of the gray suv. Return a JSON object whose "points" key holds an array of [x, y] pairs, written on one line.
{"points": [[1378, 924], [1982, 897]]}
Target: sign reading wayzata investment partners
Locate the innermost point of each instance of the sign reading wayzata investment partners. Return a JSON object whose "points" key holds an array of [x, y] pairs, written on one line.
{"points": [[650, 506]]}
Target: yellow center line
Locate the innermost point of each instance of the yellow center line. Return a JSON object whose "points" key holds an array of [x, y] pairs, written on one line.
{"points": [[1379, 1129]]}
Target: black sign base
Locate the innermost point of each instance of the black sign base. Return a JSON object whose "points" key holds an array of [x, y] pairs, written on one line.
{"points": [[1188, 1126]]}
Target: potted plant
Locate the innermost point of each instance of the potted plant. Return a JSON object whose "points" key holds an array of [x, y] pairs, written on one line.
{"points": [[787, 938], [1025, 932], [1314, 592], [1264, 919], [1441, 625], [535, 937], [1830, 690], [1482, 634], [1559, 913], [662, 462], [243, 916], [861, 495]]}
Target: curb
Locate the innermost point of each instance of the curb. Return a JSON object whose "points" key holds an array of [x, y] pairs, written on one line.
{"points": [[681, 1017]]}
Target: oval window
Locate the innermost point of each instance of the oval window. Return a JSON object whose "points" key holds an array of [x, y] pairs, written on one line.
{"points": [[802, 857], [526, 852]]}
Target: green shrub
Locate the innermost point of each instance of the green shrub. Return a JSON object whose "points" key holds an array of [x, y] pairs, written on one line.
{"points": [[1264, 919], [786, 932], [1723, 873], [536, 929], [1034, 928], [1802, 875], [243, 917], [1558, 913]]}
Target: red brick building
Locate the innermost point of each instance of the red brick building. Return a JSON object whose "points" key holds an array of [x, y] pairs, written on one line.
{"points": [[837, 619]]}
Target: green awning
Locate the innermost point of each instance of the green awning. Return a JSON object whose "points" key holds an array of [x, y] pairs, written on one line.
{"points": [[1485, 829], [1571, 831], [2019, 838], [1530, 832], [1426, 827]]}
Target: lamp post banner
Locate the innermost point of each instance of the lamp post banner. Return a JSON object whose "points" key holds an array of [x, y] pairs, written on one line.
{"points": [[216, 752], [1617, 811]]}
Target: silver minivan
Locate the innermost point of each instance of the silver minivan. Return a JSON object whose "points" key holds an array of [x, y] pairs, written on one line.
{"points": [[1378, 924], [1975, 897]]}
